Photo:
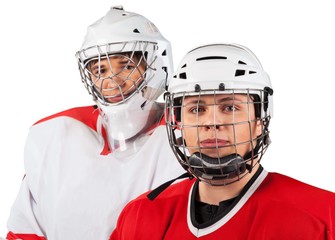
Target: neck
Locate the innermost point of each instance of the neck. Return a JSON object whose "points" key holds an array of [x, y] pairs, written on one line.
{"points": [[216, 194]]}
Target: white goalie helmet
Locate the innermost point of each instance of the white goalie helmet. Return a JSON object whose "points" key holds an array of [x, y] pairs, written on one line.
{"points": [[232, 78], [124, 63]]}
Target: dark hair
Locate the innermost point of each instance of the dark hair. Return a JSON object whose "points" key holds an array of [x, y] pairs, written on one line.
{"points": [[137, 56]]}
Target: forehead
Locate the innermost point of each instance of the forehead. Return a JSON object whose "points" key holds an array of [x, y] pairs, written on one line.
{"points": [[112, 58], [122, 57], [216, 98]]}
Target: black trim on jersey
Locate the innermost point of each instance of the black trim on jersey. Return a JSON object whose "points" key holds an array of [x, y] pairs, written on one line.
{"points": [[223, 211], [206, 212], [154, 193]]}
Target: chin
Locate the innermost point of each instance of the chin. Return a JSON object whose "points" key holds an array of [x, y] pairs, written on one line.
{"points": [[216, 154]]}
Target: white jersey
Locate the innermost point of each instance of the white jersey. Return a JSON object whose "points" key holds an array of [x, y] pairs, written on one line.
{"points": [[73, 189]]}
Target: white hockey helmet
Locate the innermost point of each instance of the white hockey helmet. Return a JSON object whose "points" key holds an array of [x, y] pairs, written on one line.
{"points": [[125, 107], [218, 69]]}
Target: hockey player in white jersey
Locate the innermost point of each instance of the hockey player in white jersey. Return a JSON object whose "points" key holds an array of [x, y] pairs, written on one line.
{"points": [[84, 164]]}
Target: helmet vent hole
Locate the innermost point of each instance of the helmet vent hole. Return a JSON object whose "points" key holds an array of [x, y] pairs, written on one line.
{"points": [[252, 72], [182, 75], [211, 58], [184, 66], [164, 53], [136, 30], [239, 72], [241, 62], [118, 7]]}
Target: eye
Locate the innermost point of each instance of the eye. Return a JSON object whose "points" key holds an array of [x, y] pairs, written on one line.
{"points": [[103, 71], [197, 109], [229, 108], [98, 71], [130, 67]]}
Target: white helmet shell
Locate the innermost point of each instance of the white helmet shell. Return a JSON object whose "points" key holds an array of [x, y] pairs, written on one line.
{"points": [[120, 32], [233, 65], [119, 26]]}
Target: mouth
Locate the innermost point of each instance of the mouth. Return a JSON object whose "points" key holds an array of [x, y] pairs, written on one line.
{"points": [[117, 98], [214, 142], [113, 99], [120, 97]]}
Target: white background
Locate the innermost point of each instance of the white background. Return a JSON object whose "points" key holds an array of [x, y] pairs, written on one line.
{"points": [[293, 39]]}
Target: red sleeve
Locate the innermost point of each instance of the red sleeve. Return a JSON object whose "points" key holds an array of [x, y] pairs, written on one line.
{"points": [[13, 236]]}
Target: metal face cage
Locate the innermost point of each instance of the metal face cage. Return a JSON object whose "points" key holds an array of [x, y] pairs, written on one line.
{"points": [[218, 136], [113, 73]]}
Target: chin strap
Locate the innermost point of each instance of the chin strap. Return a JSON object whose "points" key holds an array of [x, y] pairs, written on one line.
{"points": [[154, 193], [209, 168]]}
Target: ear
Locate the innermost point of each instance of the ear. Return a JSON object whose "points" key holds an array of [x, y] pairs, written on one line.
{"points": [[259, 127]]}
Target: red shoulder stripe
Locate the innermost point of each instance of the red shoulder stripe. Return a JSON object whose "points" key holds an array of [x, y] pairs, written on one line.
{"points": [[16, 236], [87, 115]]}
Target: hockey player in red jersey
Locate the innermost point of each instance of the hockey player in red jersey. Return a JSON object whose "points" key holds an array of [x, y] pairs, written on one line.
{"points": [[84, 164], [221, 99]]}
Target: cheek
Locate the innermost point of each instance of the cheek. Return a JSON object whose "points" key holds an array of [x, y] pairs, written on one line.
{"points": [[135, 73], [243, 132], [97, 83], [103, 84], [133, 80], [190, 136], [92, 76]]}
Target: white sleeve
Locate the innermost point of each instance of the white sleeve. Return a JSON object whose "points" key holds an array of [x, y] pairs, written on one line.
{"points": [[25, 217]]}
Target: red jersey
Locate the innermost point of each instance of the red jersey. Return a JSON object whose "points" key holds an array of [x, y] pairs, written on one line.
{"points": [[271, 206]]}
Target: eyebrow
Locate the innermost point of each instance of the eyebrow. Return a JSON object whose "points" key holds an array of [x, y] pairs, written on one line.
{"points": [[94, 67], [125, 62], [96, 64], [198, 100]]}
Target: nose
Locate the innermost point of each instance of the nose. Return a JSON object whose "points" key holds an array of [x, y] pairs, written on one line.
{"points": [[113, 82], [212, 119]]}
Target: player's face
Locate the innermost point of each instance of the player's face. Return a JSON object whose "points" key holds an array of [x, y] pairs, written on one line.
{"points": [[226, 124], [117, 77]]}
